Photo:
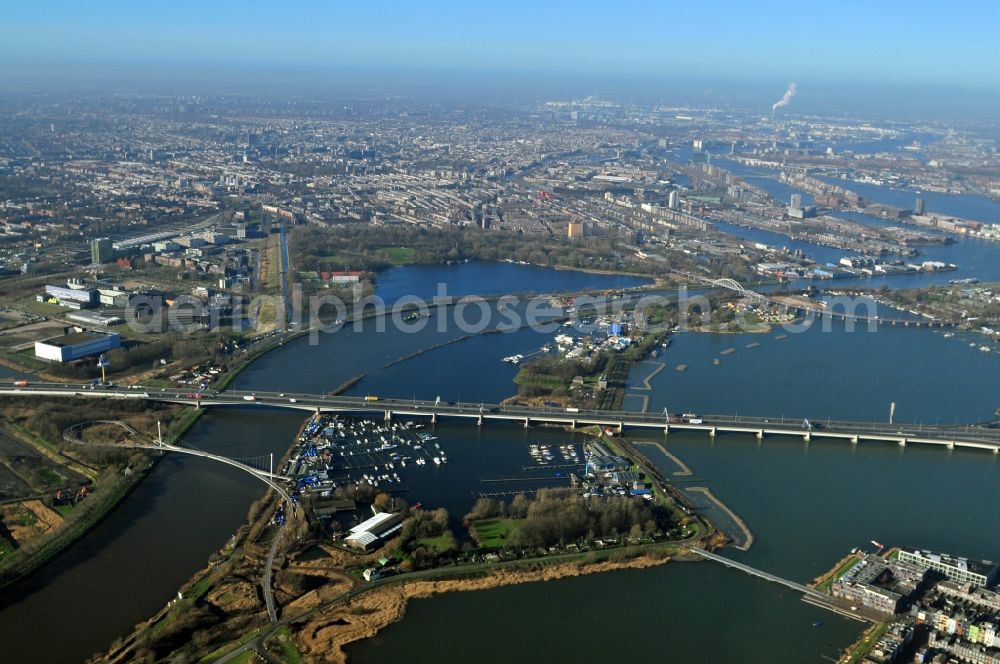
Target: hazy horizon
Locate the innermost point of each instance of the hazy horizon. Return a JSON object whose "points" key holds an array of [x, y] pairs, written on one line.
{"points": [[891, 58]]}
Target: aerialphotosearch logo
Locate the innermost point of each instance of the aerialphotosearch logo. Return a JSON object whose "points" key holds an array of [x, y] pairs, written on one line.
{"points": [[643, 311]]}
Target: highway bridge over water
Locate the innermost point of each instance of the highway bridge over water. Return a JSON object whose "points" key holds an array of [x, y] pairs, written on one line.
{"points": [[969, 436]]}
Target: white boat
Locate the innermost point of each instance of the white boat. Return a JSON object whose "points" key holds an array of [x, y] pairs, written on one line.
{"points": [[437, 460]]}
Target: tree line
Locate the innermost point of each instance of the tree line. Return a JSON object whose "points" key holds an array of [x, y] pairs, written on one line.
{"points": [[563, 516]]}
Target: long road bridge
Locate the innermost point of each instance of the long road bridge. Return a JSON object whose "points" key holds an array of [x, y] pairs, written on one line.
{"points": [[971, 436], [71, 434]]}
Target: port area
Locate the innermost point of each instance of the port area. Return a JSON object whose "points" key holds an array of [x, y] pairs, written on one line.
{"points": [[567, 502], [924, 606], [335, 451]]}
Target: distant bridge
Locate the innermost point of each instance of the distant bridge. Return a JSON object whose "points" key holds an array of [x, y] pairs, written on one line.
{"points": [[737, 287], [970, 436]]}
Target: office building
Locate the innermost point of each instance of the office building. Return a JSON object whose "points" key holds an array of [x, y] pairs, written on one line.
{"points": [[101, 251], [920, 207]]}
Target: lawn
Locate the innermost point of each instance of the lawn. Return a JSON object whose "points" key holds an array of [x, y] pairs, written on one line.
{"points": [[288, 652], [397, 255], [539, 380], [838, 573], [864, 645], [64, 510], [439, 543], [494, 533]]}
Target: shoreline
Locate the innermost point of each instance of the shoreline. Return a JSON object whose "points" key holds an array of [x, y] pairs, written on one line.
{"points": [[685, 470], [646, 385], [75, 531], [325, 635], [740, 523]]}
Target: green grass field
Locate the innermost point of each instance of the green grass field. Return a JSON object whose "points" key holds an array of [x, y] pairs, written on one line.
{"points": [[864, 645], [287, 651], [838, 573], [494, 533], [439, 543], [397, 255], [537, 380]]}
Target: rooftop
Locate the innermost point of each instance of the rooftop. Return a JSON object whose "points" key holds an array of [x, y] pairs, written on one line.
{"points": [[76, 338], [983, 567]]}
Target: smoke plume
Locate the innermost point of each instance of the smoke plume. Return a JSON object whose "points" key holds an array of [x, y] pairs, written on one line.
{"points": [[787, 97]]}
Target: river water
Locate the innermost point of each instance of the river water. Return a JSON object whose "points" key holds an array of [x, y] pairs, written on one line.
{"points": [[807, 504]]}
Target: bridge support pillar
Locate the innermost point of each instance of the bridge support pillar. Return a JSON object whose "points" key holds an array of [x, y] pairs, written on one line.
{"points": [[712, 432], [855, 440], [902, 442], [388, 415], [318, 412], [621, 427], [197, 404], [479, 421], [996, 450], [527, 422], [573, 424], [807, 436], [951, 444], [760, 435], [666, 429], [434, 418]]}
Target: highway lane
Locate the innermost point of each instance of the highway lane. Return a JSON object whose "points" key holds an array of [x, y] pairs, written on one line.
{"points": [[968, 435]]}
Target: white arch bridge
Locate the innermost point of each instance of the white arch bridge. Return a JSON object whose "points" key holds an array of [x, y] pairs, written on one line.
{"points": [[140, 441]]}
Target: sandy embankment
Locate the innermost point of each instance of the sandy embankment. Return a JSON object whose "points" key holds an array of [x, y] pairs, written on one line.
{"points": [[323, 637]]}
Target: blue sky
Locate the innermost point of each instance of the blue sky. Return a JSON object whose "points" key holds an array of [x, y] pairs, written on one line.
{"points": [[903, 42]]}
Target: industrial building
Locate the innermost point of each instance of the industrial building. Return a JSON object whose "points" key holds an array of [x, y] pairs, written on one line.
{"points": [[66, 294], [367, 534], [74, 346], [92, 318]]}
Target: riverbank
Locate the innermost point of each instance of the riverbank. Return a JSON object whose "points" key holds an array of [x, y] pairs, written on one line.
{"points": [[99, 505], [748, 537], [683, 469], [324, 636]]}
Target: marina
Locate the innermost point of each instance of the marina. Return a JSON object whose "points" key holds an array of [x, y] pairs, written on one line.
{"points": [[334, 451]]}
